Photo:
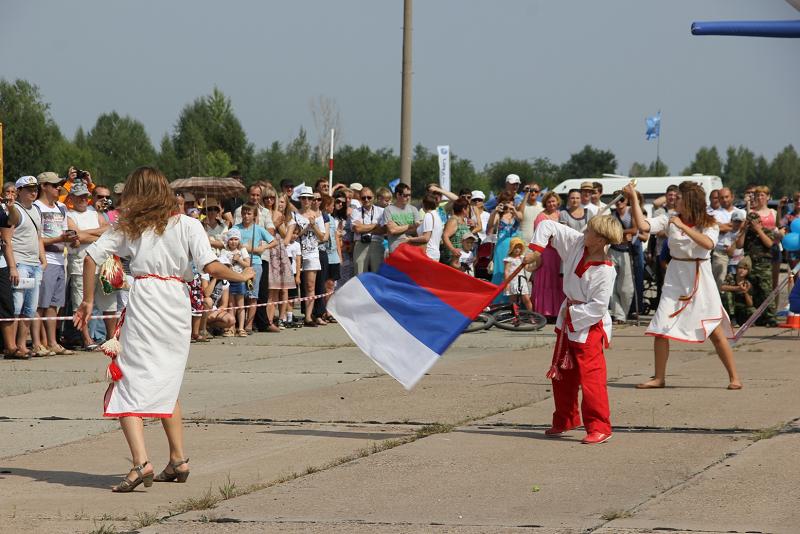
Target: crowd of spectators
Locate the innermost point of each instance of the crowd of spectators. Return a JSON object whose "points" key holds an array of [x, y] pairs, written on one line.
{"points": [[305, 241]]}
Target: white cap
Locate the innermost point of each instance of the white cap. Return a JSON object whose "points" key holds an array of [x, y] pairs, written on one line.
{"points": [[512, 179], [355, 186], [26, 181], [478, 194]]}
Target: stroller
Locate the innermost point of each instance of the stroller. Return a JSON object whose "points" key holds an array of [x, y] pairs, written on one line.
{"points": [[484, 258]]}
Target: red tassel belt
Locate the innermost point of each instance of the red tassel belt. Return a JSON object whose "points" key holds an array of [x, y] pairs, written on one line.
{"points": [[111, 347], [687, 299], [562, 358]]}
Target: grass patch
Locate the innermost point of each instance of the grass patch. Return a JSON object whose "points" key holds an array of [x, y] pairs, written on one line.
{"points": [[228, 490], [204, 502], [767, 433], [112, 517], [435, 428], [104, 529], [144, 519], [615, 514]]}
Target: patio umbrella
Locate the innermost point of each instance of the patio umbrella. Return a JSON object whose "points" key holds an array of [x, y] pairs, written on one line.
{"points": [[207, 186]]}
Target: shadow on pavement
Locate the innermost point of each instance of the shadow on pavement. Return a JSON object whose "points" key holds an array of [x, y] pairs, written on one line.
{"points": [[64, 478], [375, 436]]}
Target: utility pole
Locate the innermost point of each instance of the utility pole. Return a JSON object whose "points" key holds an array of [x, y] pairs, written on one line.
{"points": [[405, 105], [2, 170]]}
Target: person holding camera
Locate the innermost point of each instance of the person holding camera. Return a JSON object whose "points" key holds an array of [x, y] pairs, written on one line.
{"points": [[367, 234], [75, 175], [504, 222], [104, 204]]}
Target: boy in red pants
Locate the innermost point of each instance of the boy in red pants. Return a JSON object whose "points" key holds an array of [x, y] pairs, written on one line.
{"points": [[583, 327]]}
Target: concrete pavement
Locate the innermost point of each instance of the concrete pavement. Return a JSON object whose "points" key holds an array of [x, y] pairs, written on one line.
{"points": [[300, 432]]}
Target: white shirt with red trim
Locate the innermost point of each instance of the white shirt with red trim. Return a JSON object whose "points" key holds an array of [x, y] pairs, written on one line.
{"points": [[587, 284]]}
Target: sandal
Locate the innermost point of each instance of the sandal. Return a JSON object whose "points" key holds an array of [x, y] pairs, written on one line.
{"points": [[229, 332], [90, 348], [241, 332], [19, 354], [176, 476], [128, 485], [61, 351], [42, 351], [309, 323]]}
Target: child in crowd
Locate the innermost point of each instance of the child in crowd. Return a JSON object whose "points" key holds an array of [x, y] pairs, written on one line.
{"points": [[739, 288], [518, 288], [467, 260], [295, 253], [735, 254], [235, 255], [583, 326]]}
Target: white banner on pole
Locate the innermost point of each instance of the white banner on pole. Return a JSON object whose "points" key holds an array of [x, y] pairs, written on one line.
{"points": [[444, 166]]}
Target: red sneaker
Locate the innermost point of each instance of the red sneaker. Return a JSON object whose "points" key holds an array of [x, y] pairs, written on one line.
{"points": [[595, 438], [554, 432]]}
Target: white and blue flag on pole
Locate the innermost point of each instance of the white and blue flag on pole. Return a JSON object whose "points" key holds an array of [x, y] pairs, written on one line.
{"points": [[653, 126]]}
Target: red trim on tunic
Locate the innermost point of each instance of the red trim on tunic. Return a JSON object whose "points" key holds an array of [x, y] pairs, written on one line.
{"points": [[583, 265], [537, 248], [130, 414], [702, 325]]}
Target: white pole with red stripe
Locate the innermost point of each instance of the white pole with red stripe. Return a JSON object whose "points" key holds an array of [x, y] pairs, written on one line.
{"points": [[330, 166]]}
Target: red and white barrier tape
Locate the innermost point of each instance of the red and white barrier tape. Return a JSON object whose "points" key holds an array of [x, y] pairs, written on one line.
{"points": [[115, 315]]}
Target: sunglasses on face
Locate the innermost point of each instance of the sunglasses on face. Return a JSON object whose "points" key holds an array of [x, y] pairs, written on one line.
{"points": [[474, 200], [366, 198], [99, 197], [212, 208], [404, 195], [317, 199], [338, 201]]}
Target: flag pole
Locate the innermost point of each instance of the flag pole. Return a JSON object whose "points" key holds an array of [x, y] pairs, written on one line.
{"points": [[658, 145], [330, 166]]}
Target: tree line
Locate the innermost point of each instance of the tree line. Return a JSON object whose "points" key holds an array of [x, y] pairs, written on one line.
{"points": [[208, 140]]}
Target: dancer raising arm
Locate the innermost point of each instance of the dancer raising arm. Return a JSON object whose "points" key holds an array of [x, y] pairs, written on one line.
{"points": [[155, 328], [583, 327], [690, 308]]}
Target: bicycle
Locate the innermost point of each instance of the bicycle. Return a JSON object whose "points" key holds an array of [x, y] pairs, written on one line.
{"points": [[507, 317]]}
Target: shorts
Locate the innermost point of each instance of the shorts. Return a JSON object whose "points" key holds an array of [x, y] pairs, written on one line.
{"points": [[334, 271], [25, 300], [53, 289], [311, 264], [104, 303], [6, 298], [237, 288], [253, 293]]}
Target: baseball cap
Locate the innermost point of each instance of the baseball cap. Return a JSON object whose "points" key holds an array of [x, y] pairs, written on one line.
{"points": [[79, 189], [306, 192], [468, 236], [738, 216], [26, 181], [355, 186], [49, 177], [587, 185], [478, 194], [512, 179], [118, 188]]}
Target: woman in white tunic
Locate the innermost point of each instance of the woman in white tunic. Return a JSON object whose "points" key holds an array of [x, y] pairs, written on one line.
{"points": [[690, 308], [155, 331]]}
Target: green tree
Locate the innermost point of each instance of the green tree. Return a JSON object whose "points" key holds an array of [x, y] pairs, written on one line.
{"points": [[495, 173], [784, 172], [374, 168], [31, 137], [588, 163], [167, 159], [739, 169], [206, 125], [761, 175], [640, 169], [120, 144], [545, 172], [706, 161]]}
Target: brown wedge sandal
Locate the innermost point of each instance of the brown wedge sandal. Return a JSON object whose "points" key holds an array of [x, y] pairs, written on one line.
{"points": [[175, 476], [127, 485]]}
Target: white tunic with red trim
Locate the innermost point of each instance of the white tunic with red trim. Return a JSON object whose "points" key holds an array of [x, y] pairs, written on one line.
{"points": [[587, 285], [157, 329], [691, 319]]}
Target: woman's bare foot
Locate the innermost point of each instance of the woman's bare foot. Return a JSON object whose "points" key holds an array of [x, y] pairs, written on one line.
{"points": [[651, 384], [735, 385]]}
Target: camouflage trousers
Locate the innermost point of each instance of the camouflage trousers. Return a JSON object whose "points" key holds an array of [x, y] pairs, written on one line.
{"points": [[761, 278]]}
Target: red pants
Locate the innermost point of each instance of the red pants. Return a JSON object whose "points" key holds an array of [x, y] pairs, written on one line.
{"points": [[589, 372]]}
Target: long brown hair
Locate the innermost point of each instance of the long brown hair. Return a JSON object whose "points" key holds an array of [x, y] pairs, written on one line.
{"points": [[149, 202], [694, 205]]}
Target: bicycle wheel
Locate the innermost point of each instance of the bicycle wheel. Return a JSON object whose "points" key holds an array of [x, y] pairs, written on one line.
{"points": [[483, 321], [524, 321]]}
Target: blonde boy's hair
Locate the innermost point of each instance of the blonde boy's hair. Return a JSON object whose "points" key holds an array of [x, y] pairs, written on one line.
{"points": [[608, 227]]}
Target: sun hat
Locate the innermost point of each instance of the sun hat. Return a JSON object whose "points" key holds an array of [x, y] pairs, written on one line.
{"points": [[355, 186], [306, 192], [513, 179], [514, 242], [587, 185], [26, 181], [478, 194], [233, 233]]}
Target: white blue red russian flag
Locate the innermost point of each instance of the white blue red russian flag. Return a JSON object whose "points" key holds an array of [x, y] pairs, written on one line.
{"points": [[408, 313]]}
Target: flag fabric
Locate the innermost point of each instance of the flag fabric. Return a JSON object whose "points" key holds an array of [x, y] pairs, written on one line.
{"points": [[297, 190], [393, 184], [407, 314], [653, 126]]}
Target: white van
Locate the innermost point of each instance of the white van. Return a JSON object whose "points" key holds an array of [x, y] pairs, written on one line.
{"points": [[651, 187]]}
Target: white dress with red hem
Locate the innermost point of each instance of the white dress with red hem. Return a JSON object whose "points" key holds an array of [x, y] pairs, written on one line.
{"points": [[156, 333], [690, 307], [587, 285]]}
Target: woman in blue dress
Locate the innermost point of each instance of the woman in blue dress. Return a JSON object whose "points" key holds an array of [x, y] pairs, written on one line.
{"points": [[505, 221]]}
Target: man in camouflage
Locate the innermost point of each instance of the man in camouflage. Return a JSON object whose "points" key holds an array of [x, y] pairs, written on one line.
{"points": [[757, 244]]}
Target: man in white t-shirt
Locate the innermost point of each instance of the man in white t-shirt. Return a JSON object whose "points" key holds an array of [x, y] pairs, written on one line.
{"points": [[723, 214], [55, 235], [429, 231], [587, 190], [89, 225]]}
